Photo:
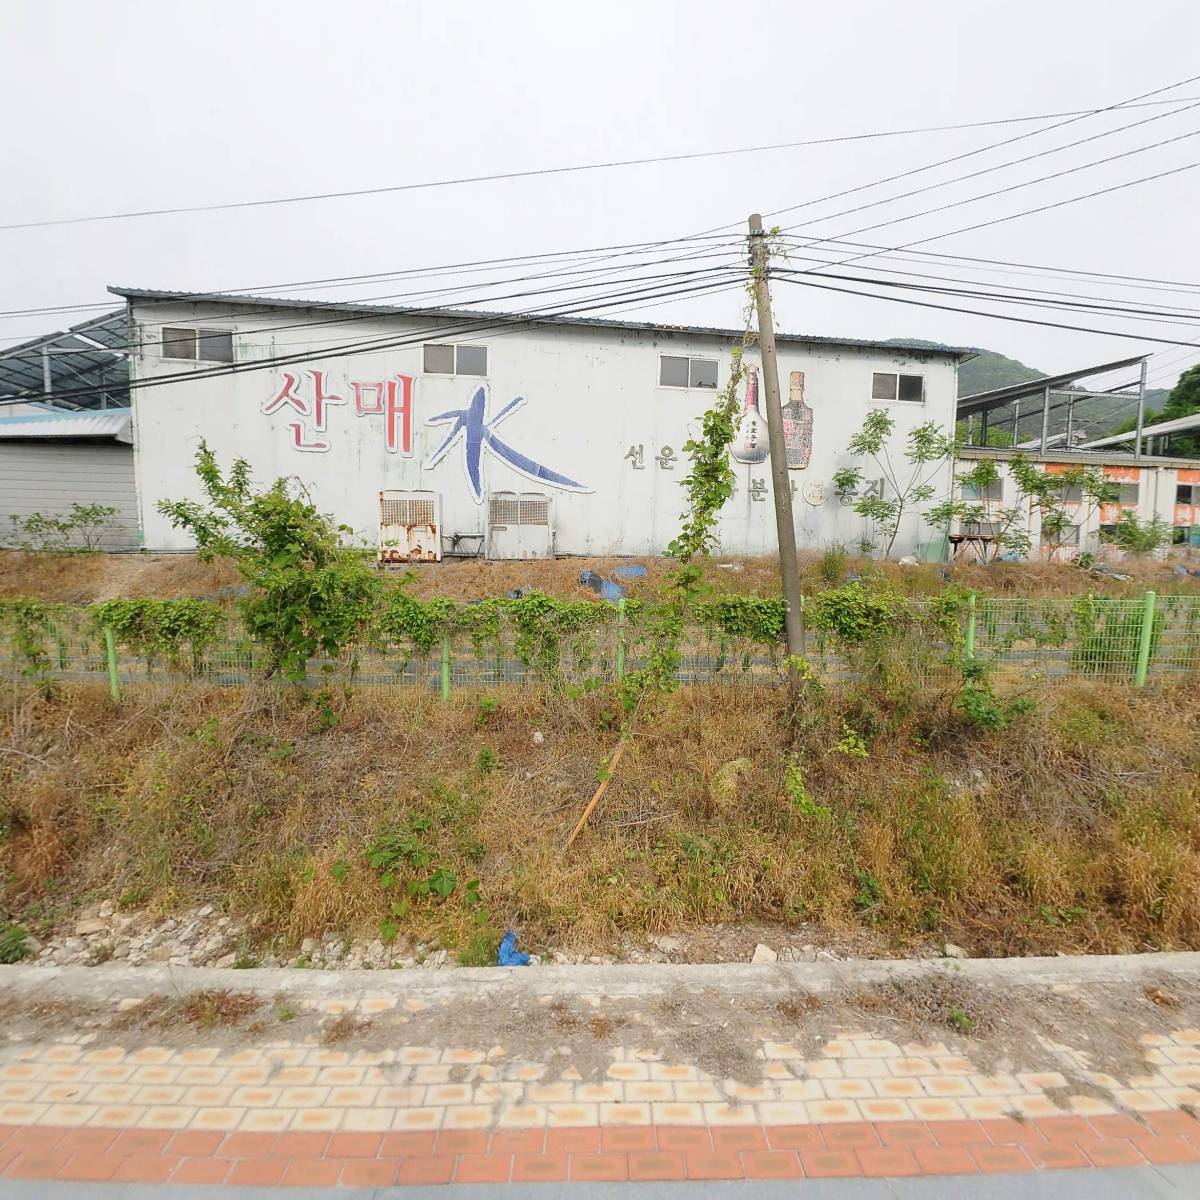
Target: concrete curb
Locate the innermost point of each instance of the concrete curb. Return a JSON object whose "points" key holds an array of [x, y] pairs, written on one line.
{"points": [[113, 983]]}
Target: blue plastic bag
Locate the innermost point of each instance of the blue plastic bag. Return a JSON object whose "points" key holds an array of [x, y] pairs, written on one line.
{"points": [[508, 955]]}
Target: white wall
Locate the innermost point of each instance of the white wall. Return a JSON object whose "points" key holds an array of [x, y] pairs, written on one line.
{"points": [[590, 395], [1155, 500]]}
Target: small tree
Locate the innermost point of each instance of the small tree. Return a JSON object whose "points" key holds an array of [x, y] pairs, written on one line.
{"points": [[312, 594], [1008, 527], [1138, 537], [77, 531], [927, 450], [1183, 401], [1050, 495]]}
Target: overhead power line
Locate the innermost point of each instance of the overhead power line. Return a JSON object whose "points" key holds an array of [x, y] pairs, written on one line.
{"points": [[1116, 187], [977, 263], [426, 309], [1132, 312], [442, 269], [1012, 162], [1036, 269], [565, 170], [1164, 310], [1015, 187], [805, 279], [1129, 102], [533, 316], [1139, 101]]}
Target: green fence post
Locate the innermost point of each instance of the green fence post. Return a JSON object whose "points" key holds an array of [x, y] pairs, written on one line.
{"points": [[1143, 655], [110, 653], [970, 649], [621, 638], [446, 666]]}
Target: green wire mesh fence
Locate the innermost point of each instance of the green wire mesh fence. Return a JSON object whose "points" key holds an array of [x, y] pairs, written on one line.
{"points": [[1023, 640]]}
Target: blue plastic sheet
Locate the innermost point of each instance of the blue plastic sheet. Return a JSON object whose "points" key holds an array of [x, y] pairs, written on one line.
{"points": [[508, 955]]}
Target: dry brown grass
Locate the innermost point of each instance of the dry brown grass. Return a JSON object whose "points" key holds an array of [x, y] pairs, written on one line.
{"points": [[86, 578], [343, 1028], [1077, 828], [210, 1009]]}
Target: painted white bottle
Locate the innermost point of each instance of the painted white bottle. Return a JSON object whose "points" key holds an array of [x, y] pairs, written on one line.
{"points": [[750, 444], [797, 425]]}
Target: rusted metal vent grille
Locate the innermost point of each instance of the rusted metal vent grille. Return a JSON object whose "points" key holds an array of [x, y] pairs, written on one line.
{"points": [[407, 512], [503, 511], [535, 511]]}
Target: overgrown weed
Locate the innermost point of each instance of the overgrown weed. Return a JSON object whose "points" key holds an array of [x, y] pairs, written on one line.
{"points": [[1077, 827]]}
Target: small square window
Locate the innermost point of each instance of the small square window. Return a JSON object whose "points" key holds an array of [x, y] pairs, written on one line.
{"points": [[883, 386], [470, 360], [993, 491], [214, 345], [439, 360], [703, 372], [179, 343], [1068, 537], [673, 372], [912, 388], [1127, 493]]}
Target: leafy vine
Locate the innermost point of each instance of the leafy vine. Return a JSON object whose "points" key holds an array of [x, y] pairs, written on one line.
{"points": [[175, 630]]}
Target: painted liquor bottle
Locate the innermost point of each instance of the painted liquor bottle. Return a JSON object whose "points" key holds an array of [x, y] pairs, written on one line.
{"points": [[750, 443], [797, 425]]}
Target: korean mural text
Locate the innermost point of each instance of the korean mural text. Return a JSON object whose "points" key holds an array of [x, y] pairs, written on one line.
{"points": [[310, 400], [391, 399]]}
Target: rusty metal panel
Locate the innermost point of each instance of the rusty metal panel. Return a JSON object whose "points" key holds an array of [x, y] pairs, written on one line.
{"points": [[410, 527]]}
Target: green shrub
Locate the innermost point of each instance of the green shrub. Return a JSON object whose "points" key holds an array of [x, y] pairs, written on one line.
{"points": [[14, 944], [1131, 534], [311, 593], [77, 531]]}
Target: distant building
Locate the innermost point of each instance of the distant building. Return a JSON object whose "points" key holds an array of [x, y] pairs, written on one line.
{"points": [[51, 460], [1147, 487]]}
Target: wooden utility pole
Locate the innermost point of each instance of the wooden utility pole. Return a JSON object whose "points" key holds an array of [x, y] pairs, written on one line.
{"points": [[789, 568]]}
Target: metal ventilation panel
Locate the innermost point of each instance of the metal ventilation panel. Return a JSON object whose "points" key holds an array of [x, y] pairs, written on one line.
{"points": [[519, 526], [410, 527]]}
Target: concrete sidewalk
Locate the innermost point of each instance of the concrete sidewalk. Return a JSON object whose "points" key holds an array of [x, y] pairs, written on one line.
{"points": [[1163, 1183], [834, 1072]]}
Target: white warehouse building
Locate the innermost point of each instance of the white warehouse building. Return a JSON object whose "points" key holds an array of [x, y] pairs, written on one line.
{"points": [[433, 432]]}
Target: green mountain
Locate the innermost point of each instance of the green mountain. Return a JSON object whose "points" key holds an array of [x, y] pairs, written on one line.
{"points": [[988, 370]]}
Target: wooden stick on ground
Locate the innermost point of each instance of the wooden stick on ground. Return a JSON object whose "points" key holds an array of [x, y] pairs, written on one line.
{"points": [[587, 812]]}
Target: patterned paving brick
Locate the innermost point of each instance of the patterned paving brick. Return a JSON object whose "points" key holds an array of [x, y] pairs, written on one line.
{"points": [[297, 1114]]}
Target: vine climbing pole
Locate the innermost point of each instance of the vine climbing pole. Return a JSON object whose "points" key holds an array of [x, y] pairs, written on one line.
{"points": [[788, 565]]}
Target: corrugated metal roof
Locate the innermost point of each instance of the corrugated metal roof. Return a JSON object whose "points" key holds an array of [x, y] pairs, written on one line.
{"points": [[465, 314], [998, 397], [112, 423], [91, 354]]}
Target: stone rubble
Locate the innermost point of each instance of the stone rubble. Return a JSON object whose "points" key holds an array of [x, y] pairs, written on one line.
{"points": [[203, 937]]}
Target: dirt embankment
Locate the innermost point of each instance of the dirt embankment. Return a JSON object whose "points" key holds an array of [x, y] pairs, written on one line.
{"points": [[387, 814], [87, 578]]}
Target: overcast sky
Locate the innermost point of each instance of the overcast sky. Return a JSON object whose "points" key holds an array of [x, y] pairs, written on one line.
{"points": [[136, 104]]}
